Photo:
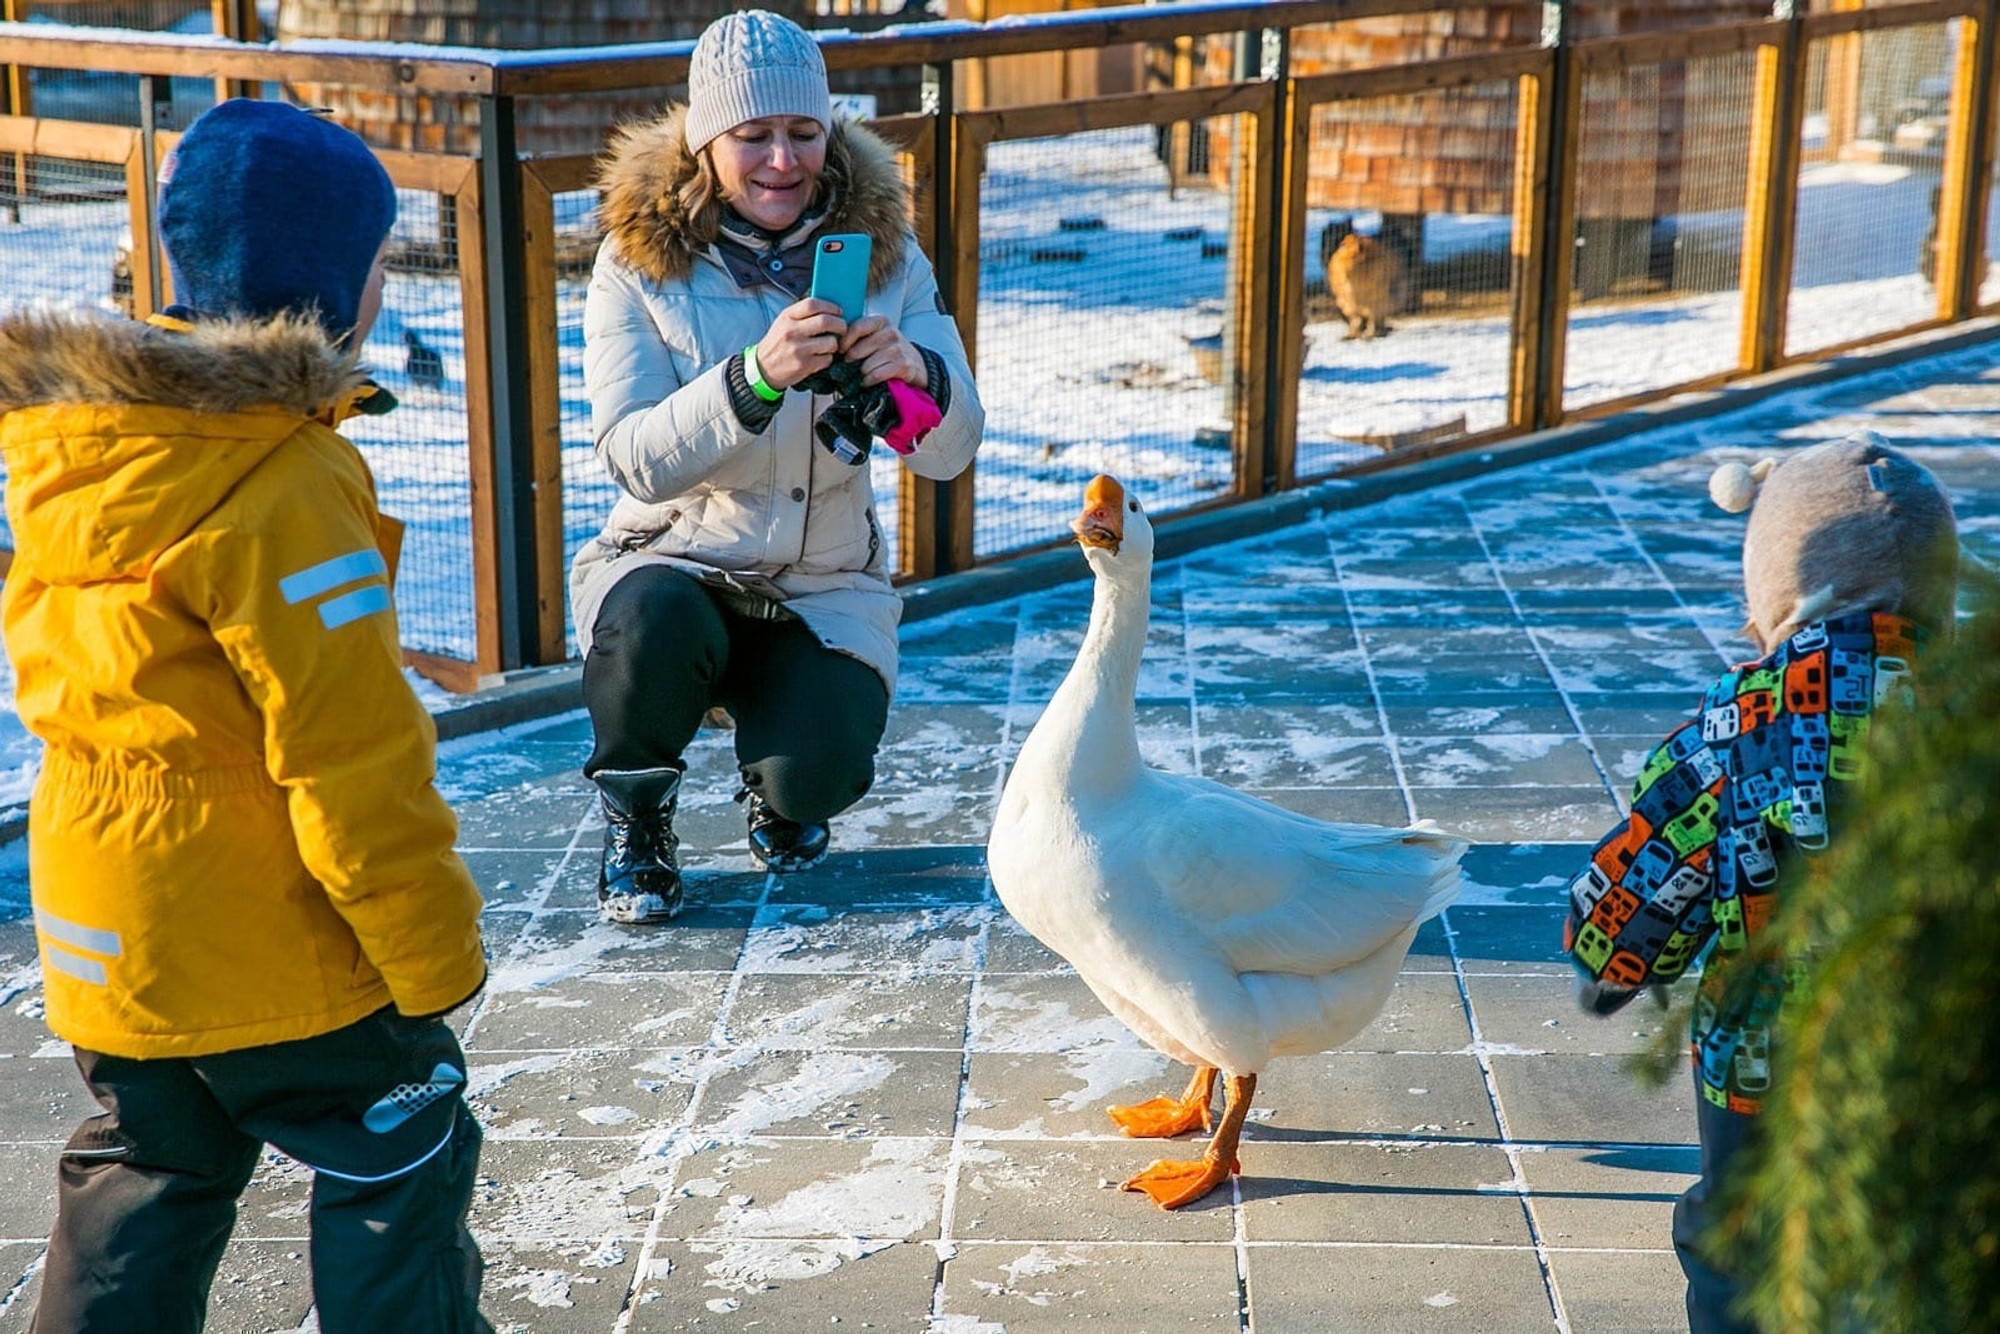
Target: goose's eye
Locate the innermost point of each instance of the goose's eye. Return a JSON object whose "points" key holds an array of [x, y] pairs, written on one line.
{"points": [[1132, 505]]}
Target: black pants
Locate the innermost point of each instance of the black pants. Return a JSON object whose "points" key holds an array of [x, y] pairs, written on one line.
{"points": [[1711, 1291], [147, 1188], [664, 650]]}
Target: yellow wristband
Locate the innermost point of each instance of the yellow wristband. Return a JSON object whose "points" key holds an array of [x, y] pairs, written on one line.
{"points": [[755, 375]]}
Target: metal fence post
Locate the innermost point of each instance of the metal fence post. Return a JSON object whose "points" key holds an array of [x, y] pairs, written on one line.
{"points": [[937, 104], [513, 478], [1275, 429], [156, 110], [938, 95], [16, 100]]}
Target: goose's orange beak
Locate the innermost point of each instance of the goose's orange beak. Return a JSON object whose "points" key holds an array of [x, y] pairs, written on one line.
{"points": [[1102, 523]]}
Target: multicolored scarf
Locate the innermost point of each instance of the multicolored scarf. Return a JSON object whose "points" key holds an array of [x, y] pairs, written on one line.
{"points": [[1756, 777]]}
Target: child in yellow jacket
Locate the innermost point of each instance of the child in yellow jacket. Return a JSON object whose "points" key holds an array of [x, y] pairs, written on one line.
{"points": [[250, 915]]}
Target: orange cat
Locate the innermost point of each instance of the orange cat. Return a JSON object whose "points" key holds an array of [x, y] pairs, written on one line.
{"points": [[1363, 276]]}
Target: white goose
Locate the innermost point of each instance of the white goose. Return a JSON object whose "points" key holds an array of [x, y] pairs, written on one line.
{"points": [[1222, 930]]}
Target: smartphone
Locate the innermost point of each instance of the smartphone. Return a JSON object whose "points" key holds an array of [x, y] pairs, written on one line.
{"points": [[840, 272]]}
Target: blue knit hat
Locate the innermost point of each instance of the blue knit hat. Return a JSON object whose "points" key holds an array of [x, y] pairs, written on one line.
{"points": [[266, 208]]}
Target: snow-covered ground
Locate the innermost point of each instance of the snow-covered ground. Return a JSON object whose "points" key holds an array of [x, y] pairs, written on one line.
{"points": [[1085, 363]]}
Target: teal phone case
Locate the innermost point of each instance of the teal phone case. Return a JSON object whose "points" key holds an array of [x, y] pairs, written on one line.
{"points": [[840, 272]]}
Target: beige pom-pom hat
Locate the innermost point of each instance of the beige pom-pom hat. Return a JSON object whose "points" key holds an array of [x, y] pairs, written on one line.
{"points": [[1849, 526]]}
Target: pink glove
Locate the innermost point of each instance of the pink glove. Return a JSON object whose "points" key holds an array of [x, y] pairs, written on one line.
{"points": [[917, 412]]}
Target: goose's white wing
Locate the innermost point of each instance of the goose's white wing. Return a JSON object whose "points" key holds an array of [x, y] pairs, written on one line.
{"points": [[1274, 891]]}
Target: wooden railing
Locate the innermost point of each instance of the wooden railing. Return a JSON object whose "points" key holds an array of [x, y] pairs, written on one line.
{"points": [[506, 226]]}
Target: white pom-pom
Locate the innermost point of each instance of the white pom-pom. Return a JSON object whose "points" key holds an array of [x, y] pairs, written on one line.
{"points": [[1734, 487]]}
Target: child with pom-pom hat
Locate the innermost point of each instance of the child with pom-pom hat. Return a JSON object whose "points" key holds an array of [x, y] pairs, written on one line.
{"points": [[1850, 565]]}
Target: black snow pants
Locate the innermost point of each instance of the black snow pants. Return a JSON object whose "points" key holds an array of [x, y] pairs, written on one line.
{"points": [[1711, 1292], [666, 648], [147, 1188]]}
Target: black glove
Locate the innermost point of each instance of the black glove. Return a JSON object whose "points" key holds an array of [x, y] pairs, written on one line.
{"points": [[859, 413]]}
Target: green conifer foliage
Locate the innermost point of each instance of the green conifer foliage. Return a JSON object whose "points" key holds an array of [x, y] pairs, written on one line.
{"points": [[1876, 1203]]}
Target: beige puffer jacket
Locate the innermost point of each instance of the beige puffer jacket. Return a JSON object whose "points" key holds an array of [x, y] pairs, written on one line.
{"points": [[773, 509]]}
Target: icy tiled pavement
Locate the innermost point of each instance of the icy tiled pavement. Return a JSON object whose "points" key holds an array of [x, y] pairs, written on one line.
{"points": [[861, 1098]]}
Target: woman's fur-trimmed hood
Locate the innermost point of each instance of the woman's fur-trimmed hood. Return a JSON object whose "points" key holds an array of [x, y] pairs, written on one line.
{"points": [[71, 356], [649, 161]]}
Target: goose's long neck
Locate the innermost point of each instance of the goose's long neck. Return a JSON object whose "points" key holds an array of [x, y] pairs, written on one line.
{"points": [[1094, 738]]}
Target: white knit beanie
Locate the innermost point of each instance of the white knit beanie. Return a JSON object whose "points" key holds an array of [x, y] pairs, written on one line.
{"points": [[752, 64]]}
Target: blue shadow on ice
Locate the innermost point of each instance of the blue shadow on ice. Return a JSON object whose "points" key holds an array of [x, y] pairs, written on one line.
{"points": [[1400, 370], [1627, 317]]}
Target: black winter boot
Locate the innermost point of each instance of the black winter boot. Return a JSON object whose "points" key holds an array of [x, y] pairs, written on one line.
{"points": [[639, 880], [782, 845]]}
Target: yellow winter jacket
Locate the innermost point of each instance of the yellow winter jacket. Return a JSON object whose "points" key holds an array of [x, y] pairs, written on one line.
{"points": [[234, 839]]}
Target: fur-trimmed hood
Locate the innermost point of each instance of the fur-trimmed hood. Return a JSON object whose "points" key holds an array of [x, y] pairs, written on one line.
{"points": [[69, 356], [648, 162], [121, 437]]}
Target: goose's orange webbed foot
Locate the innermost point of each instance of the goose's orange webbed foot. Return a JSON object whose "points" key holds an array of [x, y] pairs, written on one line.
{"points": [[1163, 1118], [1172, 1184]]}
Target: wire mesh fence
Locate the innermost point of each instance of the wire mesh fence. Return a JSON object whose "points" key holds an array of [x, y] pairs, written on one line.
{"points": [[65, 240], [97, 98], [106, 97], [1407, 275], [65, 232], [144, 15], [1871, 165], [1101, 306], [419, 453], [1118, 269], [1657, 298]]}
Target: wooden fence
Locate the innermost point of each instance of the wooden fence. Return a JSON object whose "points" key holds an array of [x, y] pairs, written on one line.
{"points": [[508, 239]]}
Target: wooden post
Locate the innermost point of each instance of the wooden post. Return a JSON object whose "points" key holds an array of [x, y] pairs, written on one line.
{"points": [[1281, 462], [1246, 359], [543, 374], [488, 650], [1843, 84], [957, 498], [1968, 169], [1543, 326], [1180, 136], [1528, 246], [1770, 205], [145, 258], [237, 20]]}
